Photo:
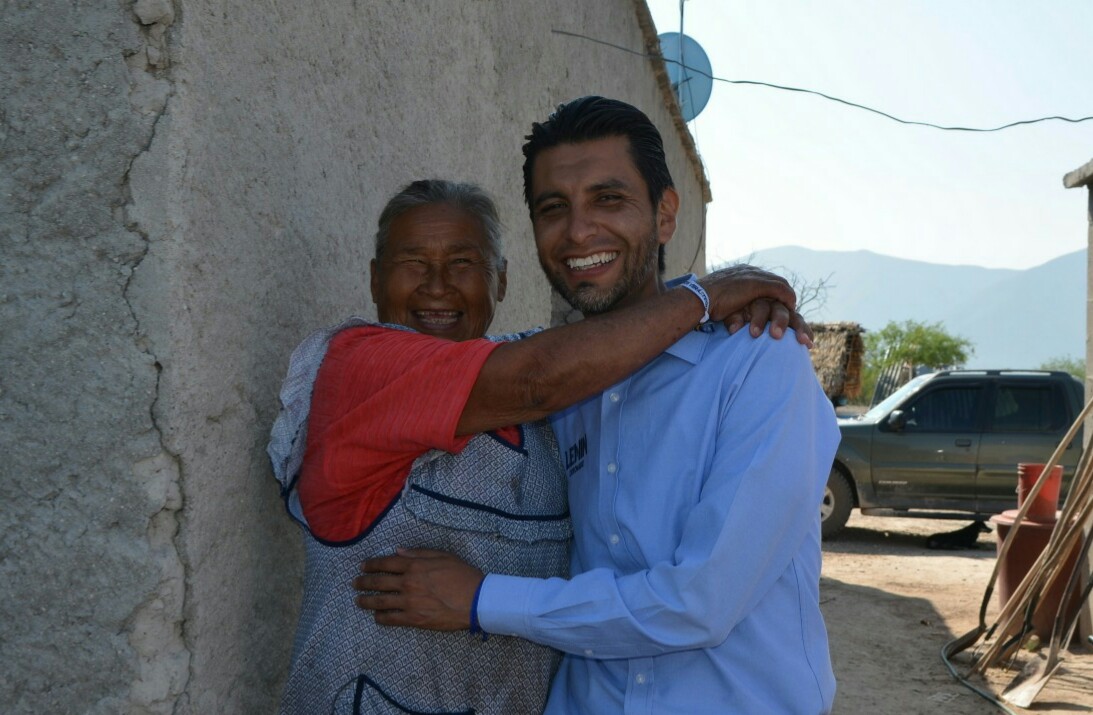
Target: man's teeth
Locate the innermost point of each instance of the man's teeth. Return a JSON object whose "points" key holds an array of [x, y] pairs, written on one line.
{"points": [[596, 259]]}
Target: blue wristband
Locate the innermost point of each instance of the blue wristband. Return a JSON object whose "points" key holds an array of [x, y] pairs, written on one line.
{"points": [[476, 628], [692, 285]]}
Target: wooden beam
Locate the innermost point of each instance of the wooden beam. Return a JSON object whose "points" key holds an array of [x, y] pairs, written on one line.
{"points": [[1082, 176]]}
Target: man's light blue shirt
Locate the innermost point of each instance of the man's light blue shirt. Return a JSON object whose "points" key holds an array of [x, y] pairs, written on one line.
{"points": [[694, 487]]}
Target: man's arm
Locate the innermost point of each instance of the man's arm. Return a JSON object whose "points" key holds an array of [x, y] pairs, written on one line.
{"points": [[533, 378], [763, 491]]}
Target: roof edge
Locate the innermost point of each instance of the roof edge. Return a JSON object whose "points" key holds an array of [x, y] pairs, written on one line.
{"points": [[660, 71]]}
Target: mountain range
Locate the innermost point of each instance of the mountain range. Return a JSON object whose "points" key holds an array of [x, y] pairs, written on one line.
{"points": [[1015, 319]]}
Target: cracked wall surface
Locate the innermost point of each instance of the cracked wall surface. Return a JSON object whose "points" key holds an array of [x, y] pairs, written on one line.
{"points": [[89, 575], [187, 190]]}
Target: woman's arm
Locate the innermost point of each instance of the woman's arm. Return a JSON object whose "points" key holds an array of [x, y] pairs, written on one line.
{"points": [[532, 378]]}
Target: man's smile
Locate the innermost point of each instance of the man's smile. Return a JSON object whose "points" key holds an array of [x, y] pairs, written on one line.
{"points": [[589, 262]]}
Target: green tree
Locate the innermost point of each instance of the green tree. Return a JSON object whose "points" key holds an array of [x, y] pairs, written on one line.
{"points": [[921, 344], [1075, 366], [910, 343]]}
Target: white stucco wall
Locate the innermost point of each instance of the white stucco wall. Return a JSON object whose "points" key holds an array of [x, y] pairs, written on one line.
{"points": [[186, 190]]}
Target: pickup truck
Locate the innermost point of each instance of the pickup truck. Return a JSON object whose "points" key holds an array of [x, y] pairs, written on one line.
{"points": [[947, 445]]}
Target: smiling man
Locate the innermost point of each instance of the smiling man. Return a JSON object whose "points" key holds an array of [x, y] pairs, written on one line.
{"points": [[605, 256], [421, 433], [645, 174], [694, 484]]}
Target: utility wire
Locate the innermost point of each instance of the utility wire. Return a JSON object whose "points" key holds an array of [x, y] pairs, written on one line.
{"points": [[826, 96]]}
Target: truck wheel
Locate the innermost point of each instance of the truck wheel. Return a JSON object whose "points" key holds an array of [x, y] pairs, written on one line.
{"points": [[837, 503]]}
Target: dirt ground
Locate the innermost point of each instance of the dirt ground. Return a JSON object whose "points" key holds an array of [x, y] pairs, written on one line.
{"points": [[891, 604]]}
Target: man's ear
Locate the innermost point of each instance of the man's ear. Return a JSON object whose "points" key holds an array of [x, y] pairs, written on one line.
{"points": [[667, 208], [373, 281], [502, 279]]}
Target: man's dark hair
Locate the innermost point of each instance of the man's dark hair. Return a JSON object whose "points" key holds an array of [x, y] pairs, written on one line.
{"points": [[424, 192], [592, 117]]}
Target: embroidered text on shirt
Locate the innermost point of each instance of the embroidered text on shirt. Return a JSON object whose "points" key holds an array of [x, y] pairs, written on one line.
{"points": [[574, 456]]}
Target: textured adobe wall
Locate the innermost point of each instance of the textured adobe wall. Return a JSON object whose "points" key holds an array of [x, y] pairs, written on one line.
{"points": [[90, 580], [189, 188]]}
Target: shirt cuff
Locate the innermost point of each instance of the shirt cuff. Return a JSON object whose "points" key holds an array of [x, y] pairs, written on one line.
{"points": [[501, 604], [476, 629]]}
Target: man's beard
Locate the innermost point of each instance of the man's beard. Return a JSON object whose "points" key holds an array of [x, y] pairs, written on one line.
{"points": [[592, 300]]}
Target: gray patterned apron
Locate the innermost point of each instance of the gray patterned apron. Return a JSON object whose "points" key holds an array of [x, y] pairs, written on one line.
{"points": [[501, 508]]}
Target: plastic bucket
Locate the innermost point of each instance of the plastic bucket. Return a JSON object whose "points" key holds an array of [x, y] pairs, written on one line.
{"points": [[1046, 503]]}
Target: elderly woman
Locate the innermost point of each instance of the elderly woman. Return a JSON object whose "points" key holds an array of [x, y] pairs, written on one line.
{"points": [[421, 433]]}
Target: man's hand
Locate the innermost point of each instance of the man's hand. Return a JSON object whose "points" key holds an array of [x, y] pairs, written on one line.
{"points": [[743, 294], [420, 588], [762, 311]]}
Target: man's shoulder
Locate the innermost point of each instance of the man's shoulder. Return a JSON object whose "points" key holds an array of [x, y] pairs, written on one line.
{"points": [[733, 360], [721, 346]]}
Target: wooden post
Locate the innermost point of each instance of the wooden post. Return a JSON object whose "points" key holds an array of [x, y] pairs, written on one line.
{"points": [[1083, 176]]}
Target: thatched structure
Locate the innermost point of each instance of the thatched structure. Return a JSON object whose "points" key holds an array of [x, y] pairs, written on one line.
{"points": [[837, 358]]}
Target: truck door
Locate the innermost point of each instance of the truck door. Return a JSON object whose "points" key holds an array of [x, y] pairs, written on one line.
{"points": [[931, 462], [1026, 421]]}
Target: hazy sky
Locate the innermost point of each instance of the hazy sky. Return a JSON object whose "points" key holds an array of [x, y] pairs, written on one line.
{"points": [[794, 169]]}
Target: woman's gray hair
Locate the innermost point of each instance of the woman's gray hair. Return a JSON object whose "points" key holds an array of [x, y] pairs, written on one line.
{"points": [[424, 192]]}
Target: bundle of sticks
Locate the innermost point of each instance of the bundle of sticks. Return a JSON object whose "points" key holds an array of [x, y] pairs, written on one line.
{"points": [[1002, 639]]}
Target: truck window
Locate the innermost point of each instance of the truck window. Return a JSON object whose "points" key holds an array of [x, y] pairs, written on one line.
{"points": [[1029, 408], [946, 409]]}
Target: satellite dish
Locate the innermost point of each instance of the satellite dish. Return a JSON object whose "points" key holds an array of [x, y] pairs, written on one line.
{"points": [[689, 72]]}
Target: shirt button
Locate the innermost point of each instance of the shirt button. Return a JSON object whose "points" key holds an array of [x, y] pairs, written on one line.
{"points": [[640, 679], [614, 397], [588, 652], [614, 538], [612, 468]]}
